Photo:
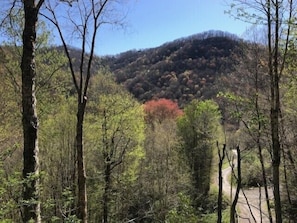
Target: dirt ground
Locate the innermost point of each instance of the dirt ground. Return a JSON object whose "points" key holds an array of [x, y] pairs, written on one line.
{"points": [[256, 211]]}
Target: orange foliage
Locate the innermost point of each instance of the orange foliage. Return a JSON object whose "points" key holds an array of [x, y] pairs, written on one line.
{"points": [[161, 109]]}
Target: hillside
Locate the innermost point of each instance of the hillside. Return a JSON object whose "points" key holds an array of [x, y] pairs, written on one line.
{"points": [[181, 70]]}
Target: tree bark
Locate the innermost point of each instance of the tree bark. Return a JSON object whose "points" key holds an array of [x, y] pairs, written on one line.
{"points": [[220, 195], [81, 174], [31, 207], [265, 184], [236, 196], [107, 168], [275, 102], [258, 142], [106, 191]]}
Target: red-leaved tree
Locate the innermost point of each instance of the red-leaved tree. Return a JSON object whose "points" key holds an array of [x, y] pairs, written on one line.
{"points": [[161, 109]]}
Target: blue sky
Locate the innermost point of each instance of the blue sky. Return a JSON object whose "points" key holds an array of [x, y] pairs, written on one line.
{"points": [[151, 23]]}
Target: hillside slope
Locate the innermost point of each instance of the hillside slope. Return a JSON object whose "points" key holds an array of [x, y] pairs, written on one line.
{"points": [[181, 70]]}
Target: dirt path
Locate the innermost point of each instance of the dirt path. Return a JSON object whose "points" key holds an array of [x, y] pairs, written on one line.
{"points": [[253, 196]]}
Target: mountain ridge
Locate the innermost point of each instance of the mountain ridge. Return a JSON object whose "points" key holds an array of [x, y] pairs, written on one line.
{"points": [[181, 70]]}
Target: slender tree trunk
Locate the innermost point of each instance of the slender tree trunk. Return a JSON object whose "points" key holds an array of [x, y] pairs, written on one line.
{"points": [[258, 141], [81, 175], [286, 177], [236, 196], [265, 182], [107, 170], [285, 160], [220, 195], [275, 103], [106, 191], [29, 116]]}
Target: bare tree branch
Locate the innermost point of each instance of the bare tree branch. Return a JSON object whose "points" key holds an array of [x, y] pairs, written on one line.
{"points": [[55, 22]]}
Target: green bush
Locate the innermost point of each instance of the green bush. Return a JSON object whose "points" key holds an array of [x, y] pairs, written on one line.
{"points": [[207, 218], [184, 212], [251, 170]]}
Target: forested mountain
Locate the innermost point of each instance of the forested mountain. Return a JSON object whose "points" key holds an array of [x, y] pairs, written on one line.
{"points": [[84, 140], [181, 70]]}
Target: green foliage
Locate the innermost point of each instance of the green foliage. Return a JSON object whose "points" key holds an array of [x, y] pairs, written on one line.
{"points": [[57, 157], [51, 81], [67, 201], [184, 212], [235, 100], [12, 26], [114, 135], [209, 203], [123, 119], [163, 173], [10, 193], [10, 151], [201, 120], [249, 14], [212, 217], [6, 221], [290, 120], [246, 109], [199, 128], [251, 171]]}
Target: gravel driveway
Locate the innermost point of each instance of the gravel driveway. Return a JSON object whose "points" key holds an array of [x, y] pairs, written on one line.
{"points": [[253, 196]]}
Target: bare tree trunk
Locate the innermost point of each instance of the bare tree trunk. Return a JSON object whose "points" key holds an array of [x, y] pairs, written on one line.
{"points": [[29, 116], [285, 159], [81, 175], [265, 182], [236, 196], [106, 191], [286, 177], [258, 141], [220, 196], [275, 102]]}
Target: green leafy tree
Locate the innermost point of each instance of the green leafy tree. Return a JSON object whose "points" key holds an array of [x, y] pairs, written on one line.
{"points": [[184, 212], [163, 173], [10, 152], [115, 135], [199, 128], [58, 161]]}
